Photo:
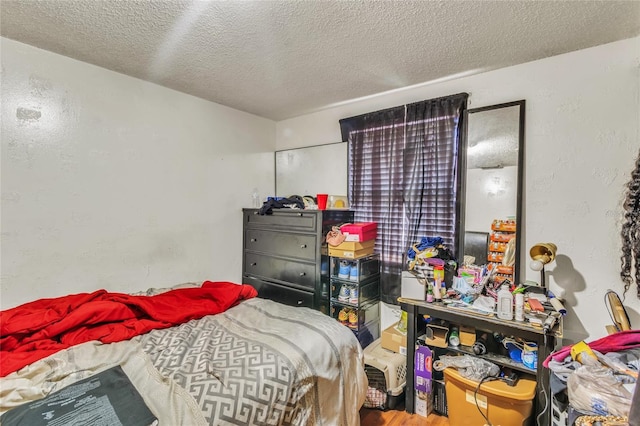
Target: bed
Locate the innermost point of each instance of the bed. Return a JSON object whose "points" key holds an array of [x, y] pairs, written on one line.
{"points": [[257, 362]]}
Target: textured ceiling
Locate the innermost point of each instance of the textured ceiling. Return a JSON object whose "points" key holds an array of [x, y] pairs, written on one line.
{"points": [[279, 59]]}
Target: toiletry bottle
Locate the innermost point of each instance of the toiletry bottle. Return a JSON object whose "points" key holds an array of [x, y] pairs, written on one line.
{"points": [[429, 295], [454, 337], [505, 303], [438, 279], [519, 309]]}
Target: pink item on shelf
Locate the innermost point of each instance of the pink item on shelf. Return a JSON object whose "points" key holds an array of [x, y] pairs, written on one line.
{"points": [[360, 232]]}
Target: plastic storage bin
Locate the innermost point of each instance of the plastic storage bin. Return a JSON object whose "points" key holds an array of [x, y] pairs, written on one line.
{"points": [[502, 404], [357, 270], [355, 317], [387, 374], [355, 294]]}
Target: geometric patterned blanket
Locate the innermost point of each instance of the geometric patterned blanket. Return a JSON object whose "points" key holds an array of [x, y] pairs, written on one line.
{"points": [[263, 363]]}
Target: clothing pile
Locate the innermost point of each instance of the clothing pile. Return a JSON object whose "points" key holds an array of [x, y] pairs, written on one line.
{"points": [[293, 202], [427, 253], [599, 378]]}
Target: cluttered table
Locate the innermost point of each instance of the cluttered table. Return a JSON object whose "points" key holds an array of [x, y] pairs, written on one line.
{"points": [[546, 339]]}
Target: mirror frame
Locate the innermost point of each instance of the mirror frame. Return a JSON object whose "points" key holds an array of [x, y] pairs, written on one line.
{"points": [[462, 193]]}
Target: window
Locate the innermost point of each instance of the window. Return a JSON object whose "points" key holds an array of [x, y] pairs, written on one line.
{"points": [[403, 174]]}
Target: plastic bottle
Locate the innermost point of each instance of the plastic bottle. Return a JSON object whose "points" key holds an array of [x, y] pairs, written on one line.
{"points": [[429, 295], [438, 278], [454, 337], [505, 303], [519, 309]]}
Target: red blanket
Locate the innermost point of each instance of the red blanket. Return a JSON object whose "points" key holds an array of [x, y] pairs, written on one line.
{"points": [[38, 329]]}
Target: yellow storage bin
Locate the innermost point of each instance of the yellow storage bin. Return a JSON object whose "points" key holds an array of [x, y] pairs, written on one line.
{"points": [[503, 405]]}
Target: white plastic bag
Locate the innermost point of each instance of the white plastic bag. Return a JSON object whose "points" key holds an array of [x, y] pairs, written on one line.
{"points": [[471, 367], [595, 389]]}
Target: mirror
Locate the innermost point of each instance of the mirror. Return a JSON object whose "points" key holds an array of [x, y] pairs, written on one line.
{"points": [[312, 170], [492, 174]]}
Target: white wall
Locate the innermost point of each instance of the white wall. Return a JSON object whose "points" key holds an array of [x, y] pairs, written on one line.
{"points": [[112, 182], [582, 137]]}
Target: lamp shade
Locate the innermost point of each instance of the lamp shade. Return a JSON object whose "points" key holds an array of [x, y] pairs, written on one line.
{"points": [[541, 254]]}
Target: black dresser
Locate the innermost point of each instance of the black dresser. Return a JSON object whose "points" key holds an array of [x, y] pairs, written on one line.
{"points": [[285, 254]]}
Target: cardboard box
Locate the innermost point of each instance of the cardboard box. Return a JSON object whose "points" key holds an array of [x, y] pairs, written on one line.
{"points": [[423, 369], [350, 254], [354, 246], [467, 335], [437, 335], [360, 232], [423, 404], [367, 236], [393, 340]]}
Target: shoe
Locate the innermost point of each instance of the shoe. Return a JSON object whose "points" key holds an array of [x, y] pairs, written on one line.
{"points": [[353, 296], [353, 273], [344, 270], [353, 319], [343, 295], [343, 316]]}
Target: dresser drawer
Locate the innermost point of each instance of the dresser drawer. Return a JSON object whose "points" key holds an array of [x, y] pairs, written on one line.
{"points": [[301, 246], [287, 219], [279, 293], [303, 274]]}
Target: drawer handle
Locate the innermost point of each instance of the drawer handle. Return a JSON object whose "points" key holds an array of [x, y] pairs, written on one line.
{"points": [[253, 240], [255, 212], [300, 302], [300, 214], [303, 246], [302, 274], [254, 264]]}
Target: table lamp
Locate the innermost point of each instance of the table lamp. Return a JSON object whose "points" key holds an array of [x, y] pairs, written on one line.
{"points": [[541, 254]]}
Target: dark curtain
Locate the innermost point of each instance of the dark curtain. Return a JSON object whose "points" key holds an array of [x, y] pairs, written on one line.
{"points": [[430, 168], [376, 142], [403, 175]]}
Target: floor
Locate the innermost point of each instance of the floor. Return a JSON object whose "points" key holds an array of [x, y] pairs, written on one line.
{"points": [[373, 417]]}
